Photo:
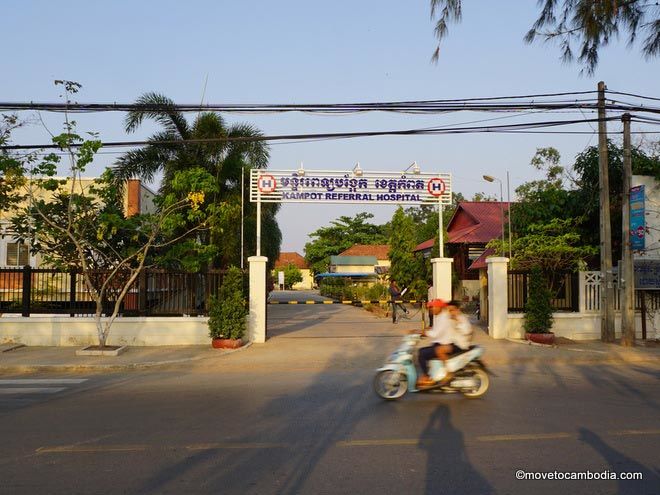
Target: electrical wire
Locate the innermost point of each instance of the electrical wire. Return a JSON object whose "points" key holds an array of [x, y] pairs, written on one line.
{"points": [[339, 135]]}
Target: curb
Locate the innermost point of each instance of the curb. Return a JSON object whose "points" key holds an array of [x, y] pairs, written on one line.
{"points": [[27, 368], [578, 360]]}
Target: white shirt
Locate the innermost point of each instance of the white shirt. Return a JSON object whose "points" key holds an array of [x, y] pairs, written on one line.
{"points": [[446, 331]]}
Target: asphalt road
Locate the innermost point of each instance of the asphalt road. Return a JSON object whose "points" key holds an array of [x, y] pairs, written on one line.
{"points": [[297, 415]]}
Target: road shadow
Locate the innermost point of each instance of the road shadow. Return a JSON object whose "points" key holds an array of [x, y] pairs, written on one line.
{"points": [[294, 433], [621, 463], [608, 378], [448, 469]]}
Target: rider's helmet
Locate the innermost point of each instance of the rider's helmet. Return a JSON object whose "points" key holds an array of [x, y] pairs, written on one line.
{"points": [[436, 303]]}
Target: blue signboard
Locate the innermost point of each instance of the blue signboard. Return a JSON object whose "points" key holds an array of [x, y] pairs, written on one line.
{"points": [[637, 222], [647, 274]]}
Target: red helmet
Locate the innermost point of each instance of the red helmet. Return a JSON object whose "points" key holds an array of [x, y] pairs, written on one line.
{"points": [[436, 303]]}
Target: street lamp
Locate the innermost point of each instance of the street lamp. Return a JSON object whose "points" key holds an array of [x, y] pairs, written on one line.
{"points": [[490, 178], [415, 168]]}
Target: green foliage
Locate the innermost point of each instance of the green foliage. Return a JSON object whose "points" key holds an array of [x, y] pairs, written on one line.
{"points": [[538, 310], [224, 162], [12, 168], [590, 24], [552, 247], [336, 288], [228, 311], [73, 223], [542, 201], [292, 275], [339, 236], [406, 268], [345, 290]]}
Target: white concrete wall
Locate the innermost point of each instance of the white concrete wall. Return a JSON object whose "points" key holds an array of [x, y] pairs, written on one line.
{"points": [[580, 326], [142, 331]]}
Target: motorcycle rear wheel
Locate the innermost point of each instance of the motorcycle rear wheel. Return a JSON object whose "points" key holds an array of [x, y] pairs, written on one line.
{"points": [[390, 384], [483, 382]]}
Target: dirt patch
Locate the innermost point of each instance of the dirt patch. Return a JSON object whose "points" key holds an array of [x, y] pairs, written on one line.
{"points": [[378, 310]]}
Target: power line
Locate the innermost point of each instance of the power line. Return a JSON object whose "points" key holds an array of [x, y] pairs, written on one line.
{"points": [[485, 104], [633, 95], [521, 127]]}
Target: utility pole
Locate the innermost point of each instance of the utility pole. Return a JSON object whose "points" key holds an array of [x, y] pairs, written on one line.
{"points": [[607, 285], [627, 276]]}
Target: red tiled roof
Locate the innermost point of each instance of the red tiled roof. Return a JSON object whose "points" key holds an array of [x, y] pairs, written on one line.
{"points": [[425, 245], [287, 259], [378, 250], [476, 222], [480, 262]]}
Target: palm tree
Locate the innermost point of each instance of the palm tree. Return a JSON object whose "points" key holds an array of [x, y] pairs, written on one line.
{"points": [[226, 160]]}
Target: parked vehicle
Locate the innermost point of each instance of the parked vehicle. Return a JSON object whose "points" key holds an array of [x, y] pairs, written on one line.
{"points": [[399, 374]]}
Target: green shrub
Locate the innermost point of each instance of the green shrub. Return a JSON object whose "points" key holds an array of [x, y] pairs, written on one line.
{"points": [[538, 309], [378, 292], [228, 311]]}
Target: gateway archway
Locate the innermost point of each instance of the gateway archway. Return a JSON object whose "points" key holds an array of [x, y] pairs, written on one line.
{"points": [[356, 186]]}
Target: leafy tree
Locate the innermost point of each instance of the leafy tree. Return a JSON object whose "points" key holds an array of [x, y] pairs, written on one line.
{"points": [[292, 275], [339, 236], [406, 268], [540, 201], [425, 218], [574, 197], [538, 309], [228, 310], [586, 194], [554, 246], [85, 229], [12, 168], [482, 196], [590, 24], [222, 159]]}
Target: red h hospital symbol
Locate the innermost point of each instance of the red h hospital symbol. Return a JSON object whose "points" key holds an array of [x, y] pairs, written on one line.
{"points": [[266, 184], [436, 187]]}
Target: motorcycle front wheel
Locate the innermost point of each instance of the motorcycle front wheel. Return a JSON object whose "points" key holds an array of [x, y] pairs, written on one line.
{"points": [[482, 383], [390, 384]]}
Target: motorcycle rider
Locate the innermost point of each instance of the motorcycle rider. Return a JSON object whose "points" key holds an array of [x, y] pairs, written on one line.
{"points": [[450, 333]]}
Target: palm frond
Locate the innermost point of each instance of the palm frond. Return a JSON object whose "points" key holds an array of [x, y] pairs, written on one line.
{"points": [[159, 108], [256, 153]]}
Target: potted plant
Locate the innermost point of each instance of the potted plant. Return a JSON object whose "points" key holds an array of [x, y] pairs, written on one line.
{"points": [[538, 310], [228, 311]]}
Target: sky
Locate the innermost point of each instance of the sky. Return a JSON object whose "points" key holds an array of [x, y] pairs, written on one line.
{"points": [[295, 51]]}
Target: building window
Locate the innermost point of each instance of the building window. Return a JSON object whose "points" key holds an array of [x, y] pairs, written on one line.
{"points": [[17, 254], [474, 252]]}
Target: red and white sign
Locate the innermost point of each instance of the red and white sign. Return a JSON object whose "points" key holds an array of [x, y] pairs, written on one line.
{"points": [[436, 187], [266, 184]]}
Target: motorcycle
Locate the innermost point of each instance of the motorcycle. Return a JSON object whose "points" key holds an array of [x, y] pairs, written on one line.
{"points": [[399, 374]]}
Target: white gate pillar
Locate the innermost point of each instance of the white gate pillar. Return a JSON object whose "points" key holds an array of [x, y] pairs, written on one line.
{"points": [[257, 316], [442, 278], [498, 302]]}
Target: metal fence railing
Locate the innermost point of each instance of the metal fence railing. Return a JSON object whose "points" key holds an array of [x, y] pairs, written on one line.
{"points": [[154, 293], [565, 289]]}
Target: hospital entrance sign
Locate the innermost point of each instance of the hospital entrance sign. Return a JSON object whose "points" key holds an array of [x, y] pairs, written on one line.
{"points": [[326, 187], [323, 187]]}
